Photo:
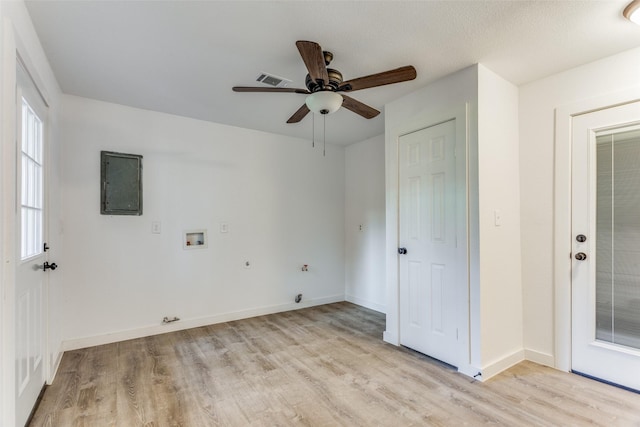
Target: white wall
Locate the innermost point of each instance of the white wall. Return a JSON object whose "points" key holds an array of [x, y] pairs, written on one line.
{"points": [[18, 35], [499, 190], [283, 202], [538, 101], [365, 224]]}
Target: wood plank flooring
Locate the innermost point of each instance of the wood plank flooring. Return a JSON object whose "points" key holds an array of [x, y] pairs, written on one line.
{"points": [[321, 366]]}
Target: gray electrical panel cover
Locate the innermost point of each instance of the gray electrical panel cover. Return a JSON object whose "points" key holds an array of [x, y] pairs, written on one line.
{"points": [[120, 183]]}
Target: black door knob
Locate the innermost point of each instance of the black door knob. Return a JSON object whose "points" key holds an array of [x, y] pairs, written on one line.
{"points": [[581, 256], [51, 266], [402, 251]]}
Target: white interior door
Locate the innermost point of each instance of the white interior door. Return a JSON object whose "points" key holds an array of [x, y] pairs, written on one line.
{"points": [[427, 201], [606, 245], [31, 231]]}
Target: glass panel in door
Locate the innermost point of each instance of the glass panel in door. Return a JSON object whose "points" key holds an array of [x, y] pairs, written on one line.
{"points": [[618, 237]]}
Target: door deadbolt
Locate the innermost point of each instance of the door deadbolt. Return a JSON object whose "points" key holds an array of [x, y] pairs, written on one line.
{"points": [[402, 251], [581, 256], [581, 238]]}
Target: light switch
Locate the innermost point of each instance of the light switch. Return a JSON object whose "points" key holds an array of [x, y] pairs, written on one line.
{"points": [[156, 227], [497, 216], [224, 227]]}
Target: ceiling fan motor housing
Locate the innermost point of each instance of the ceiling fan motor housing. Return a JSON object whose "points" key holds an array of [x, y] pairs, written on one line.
{"points": [[335, 79]]}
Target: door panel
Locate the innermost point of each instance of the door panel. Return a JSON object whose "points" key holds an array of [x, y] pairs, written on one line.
{"points": [[416, 293], [606, 272], [438, 278], [427, 230]]}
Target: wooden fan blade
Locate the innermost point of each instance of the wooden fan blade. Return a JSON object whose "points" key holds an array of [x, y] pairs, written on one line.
{"points": [[359, 108], [269, 89], [299, 115], [313, 58], [398, 75]]}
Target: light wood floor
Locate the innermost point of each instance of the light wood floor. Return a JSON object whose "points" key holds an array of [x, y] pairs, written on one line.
{"points": [[322, 366]]}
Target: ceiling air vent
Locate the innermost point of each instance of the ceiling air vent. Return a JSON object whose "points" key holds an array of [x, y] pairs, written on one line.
{"points": [[272, 80]]}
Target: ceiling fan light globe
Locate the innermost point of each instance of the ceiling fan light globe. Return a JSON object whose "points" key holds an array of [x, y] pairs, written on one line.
{"points": [[632, 12], [324, 102]]}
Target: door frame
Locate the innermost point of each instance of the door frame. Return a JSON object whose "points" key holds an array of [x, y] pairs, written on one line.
{"points": [[562, 242], [427, 119], [7, 264]]}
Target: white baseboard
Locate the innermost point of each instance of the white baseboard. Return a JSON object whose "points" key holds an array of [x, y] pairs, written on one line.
{"points": [[470, 371], [380, 308], [541, 358], [501, 364], [55, 365], [77, 343], [390, 338]]}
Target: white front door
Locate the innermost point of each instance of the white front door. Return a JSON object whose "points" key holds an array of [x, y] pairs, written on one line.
{"points": [[606, 245], [427, 200], [31, 231]]}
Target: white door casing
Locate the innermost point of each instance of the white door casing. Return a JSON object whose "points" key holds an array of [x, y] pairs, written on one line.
{"points": [[31, 222], [592, 167], [427, 202]]}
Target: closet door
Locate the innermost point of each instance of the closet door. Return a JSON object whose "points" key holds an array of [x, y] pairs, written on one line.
{"points": [[427, 241]]}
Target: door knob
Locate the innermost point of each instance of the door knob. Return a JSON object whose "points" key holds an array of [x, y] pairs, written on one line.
{"points": [[402, 251], [46, 266], [581, 256]]}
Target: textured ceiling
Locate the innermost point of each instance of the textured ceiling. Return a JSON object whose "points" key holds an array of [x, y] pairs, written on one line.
{"points": [[183, 57]]}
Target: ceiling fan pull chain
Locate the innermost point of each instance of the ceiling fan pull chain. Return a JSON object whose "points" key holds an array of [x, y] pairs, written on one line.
{"points": [[313, 130], [324, 135]]}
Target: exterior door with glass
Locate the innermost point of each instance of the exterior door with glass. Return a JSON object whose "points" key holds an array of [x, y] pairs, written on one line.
{"points": [[606, 245], [30, 238]]}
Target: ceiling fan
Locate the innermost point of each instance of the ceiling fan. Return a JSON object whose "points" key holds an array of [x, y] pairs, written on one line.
{"points": [[325, 87]]}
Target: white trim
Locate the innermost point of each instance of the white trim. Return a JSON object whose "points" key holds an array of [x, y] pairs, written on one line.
{"points": [[460, 114], [7, 298], [538, 357], [54, 366], [366, 303], [501, 365], [562, 214], [391, 338], [23, 65], [90, 341]]}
